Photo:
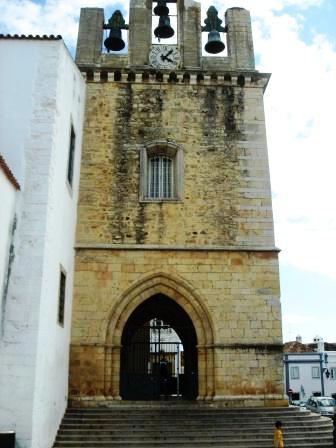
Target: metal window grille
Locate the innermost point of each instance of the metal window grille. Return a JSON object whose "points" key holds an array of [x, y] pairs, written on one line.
{"points": [[160, 177]]}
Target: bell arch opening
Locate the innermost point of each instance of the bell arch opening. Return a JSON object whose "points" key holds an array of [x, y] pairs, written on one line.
{"points": [[158, 357]]}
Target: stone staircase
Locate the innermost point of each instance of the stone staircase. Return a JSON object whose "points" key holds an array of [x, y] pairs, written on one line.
{"points": [[190, 425]]}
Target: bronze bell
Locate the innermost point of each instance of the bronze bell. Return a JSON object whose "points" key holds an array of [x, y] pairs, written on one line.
{"points": [[161, 9], [214, 44], [164, 30], [114, 42]]}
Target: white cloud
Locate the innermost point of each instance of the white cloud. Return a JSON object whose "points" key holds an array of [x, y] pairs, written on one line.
{"points": [[49, 17], [61, 16], [299, 110], [294, 325], [297, 319], [307, 326]]}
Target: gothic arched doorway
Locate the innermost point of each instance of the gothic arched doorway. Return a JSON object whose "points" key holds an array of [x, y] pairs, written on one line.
{"points": [[158, 357]]}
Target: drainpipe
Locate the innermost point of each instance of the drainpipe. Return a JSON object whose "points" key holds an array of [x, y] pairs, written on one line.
{"points": [[322, 377], [287, 373]]}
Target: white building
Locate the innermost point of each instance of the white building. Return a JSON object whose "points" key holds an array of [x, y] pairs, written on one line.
{"points": [[41, 116], [310, 369]]}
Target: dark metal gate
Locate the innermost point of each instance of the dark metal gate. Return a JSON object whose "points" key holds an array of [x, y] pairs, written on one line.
{"points": [[152, 364]]}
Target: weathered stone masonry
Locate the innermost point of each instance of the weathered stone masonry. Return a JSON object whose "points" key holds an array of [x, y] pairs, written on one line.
{"points": [[226, 187], [236, 288], [211, 250]]}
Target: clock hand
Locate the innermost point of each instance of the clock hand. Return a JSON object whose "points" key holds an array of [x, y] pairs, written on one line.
{"points": [[165, 58], [169, 53]]}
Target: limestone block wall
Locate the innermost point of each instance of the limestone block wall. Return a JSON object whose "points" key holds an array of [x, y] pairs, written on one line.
{"points": [[238, 290], [216, 238], [90, 36], [140, 31], [239, 38], [226, 189]]}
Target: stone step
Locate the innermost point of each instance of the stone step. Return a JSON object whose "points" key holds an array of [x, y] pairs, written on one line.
{"points": [[201, 439], [169, 411], [194, 421], [191, 431], [175, 406], [194, 426], [186, 414], [226, 417], [185, 444], [181, 409], [191, 445], [198, 425], [191, 428]]}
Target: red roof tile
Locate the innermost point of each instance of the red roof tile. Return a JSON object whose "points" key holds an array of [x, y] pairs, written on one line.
{"points": [[30, 36], [10, 176]]}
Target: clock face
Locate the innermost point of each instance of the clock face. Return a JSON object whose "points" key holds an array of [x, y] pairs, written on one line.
{"points": [[164, 56]]}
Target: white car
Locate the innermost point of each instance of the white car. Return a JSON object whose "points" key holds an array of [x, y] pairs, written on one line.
{"points": [[322, 405]]}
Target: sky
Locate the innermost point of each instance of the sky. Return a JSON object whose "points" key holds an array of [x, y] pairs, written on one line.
{"points": [[295, 40]]}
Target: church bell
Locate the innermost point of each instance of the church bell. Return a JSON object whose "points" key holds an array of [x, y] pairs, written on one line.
{"points": [[213, 25], [164, 30], [214, 44], [114, 42], [115, 24], [161, 9]]}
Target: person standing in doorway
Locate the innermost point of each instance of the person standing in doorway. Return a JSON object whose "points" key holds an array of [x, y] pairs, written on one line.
{"points": [[164, 373], [278, 437]]}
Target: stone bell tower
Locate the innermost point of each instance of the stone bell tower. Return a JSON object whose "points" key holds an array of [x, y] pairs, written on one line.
{"points": [[175, 215]]}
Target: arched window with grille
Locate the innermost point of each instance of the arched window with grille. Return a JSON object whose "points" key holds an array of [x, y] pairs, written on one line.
{"points": [[161, 172], [160, 177]]}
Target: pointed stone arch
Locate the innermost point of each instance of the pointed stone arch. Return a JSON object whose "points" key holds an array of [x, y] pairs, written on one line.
{"points": [[178, 290]]}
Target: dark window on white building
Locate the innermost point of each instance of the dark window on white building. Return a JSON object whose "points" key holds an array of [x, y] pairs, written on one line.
{"points": [[71, 155], [61, 298]]}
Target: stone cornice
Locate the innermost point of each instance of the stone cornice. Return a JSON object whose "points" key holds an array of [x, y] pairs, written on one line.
{"points": [[249, 346], [147, 75], [195, 248]]}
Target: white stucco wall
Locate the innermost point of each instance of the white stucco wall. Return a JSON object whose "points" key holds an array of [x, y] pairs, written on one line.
{"points": [[17, 77], [34, 348], [7, 211], [305, 362]]}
